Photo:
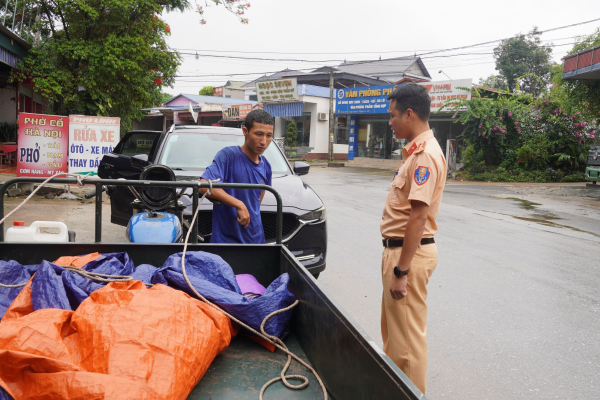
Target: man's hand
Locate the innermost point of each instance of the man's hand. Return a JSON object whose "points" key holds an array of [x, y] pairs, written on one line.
{"points": [[243, 215], [398, 287]]}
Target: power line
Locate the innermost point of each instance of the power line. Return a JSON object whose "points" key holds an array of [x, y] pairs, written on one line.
{"points": [[364, 61], [499, 40]]}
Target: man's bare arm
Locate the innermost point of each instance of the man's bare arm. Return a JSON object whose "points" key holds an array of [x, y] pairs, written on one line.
{"points": [[223, 197], [412, 239]]}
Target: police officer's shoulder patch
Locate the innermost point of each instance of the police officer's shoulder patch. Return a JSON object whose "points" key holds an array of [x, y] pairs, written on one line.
{"points": [[421, 175]]}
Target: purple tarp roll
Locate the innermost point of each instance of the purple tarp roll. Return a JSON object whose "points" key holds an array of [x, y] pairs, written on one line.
{"points": [[249, 284]]}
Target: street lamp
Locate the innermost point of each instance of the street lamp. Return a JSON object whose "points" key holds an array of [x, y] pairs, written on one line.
{"points": [[442, 72]]}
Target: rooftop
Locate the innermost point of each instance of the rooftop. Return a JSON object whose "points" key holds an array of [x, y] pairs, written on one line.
{"points": [[195, 98]]}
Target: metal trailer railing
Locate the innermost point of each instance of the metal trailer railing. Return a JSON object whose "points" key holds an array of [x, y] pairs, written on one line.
{"points": [[98, 183]]}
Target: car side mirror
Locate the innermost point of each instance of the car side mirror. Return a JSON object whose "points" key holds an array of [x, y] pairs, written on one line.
{"points": [[139, 161], [301, 168]]}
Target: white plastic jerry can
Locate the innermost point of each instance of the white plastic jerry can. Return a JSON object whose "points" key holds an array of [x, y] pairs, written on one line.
{"points": [[39, 231]]}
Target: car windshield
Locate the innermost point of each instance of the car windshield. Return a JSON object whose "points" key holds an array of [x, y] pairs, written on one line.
{"points": [[197, 151]]}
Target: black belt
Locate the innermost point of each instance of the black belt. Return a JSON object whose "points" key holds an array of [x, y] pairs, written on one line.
{"points": [[400, 242]]}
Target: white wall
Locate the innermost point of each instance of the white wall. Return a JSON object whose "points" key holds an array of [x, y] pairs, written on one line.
{"points": [[8, 104], [319, 132], [340, 148], [234, 93], [248, 92], [278, 128]]}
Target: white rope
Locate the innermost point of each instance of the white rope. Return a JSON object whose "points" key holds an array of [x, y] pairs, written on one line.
{"points": [[271, 339], [79, 178]]}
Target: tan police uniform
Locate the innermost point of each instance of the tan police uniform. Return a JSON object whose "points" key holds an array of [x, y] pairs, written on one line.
{"points": [[421, 177]]}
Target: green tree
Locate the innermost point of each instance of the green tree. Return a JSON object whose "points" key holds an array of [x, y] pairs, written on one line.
{"points": [[494, 82], [207, 91], [164, 97], [103, 57], [524, 55], [291, 133]]}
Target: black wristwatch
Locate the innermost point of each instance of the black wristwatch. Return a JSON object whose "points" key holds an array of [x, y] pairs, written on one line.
{"points": [[398, 272]]}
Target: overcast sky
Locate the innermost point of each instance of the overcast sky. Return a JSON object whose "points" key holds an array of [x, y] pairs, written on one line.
{"points": [[329, 32]]}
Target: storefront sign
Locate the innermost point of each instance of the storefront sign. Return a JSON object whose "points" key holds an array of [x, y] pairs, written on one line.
{"points": [[366, 100], [353, 134], [277, 91], [440, 92], [237, 111], [43, 145], [89, 139], [373, 100]]}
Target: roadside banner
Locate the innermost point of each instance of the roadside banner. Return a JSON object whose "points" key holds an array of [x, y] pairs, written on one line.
{"points": [[89, 139], [43, 145]]}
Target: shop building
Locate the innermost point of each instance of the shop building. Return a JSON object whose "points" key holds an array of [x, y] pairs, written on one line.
{"points": [[309, 110], [230, 90], [15, 97], [187, 109], [304, 106], [361, 121]]}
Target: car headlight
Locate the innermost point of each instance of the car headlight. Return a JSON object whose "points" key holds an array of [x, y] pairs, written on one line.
{"points": [[317, 215]]}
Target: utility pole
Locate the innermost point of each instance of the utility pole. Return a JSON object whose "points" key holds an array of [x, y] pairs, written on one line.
{"points": [[331, 115]]}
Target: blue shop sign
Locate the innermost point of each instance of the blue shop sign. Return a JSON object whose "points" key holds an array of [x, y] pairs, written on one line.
{"points": [[365, 100]]}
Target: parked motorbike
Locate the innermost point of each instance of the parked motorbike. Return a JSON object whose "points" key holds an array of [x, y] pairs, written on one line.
{"points": [[157, 211]]}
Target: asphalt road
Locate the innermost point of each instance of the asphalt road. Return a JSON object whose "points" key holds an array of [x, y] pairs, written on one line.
{"points": [[513, 303]]}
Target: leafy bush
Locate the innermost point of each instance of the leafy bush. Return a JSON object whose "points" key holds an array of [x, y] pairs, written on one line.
{"points": [[473, 160], [291, 134]]}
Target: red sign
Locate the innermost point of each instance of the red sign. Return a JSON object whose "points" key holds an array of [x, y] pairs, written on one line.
{"points": [[43, 145], [218, 91]]}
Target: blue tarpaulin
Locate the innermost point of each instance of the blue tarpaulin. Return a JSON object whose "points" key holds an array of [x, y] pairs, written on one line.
{"points": [[212, 277], [53, 286]]}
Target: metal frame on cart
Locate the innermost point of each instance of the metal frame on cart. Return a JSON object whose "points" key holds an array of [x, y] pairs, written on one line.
{"points": [[98, 183]]}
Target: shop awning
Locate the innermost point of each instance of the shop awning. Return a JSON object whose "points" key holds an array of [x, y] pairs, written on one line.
{"points": [[284, 110]]}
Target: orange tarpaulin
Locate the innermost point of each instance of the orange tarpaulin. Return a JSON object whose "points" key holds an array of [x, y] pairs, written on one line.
{"points": [[77, 261], [123, 342]]}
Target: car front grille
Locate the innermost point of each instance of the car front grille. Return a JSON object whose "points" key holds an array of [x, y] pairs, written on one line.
{"points": [[269, 222]]}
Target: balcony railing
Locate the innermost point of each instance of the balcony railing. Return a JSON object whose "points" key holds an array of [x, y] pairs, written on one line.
{"points": [[18, 16], [583, 65]]}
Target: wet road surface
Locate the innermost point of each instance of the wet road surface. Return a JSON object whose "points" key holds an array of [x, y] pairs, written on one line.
{"points": [[514, 301]]}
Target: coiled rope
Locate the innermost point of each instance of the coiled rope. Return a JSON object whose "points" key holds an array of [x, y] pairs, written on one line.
{"points": [[271, 339]]}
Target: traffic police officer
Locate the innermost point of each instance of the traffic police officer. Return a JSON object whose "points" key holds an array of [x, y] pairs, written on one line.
{"points": [[408, 227]]}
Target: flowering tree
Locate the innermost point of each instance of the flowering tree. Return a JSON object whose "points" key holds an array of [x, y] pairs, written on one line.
{"points": [[518, 131], [236, 7], [104, 57]]}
